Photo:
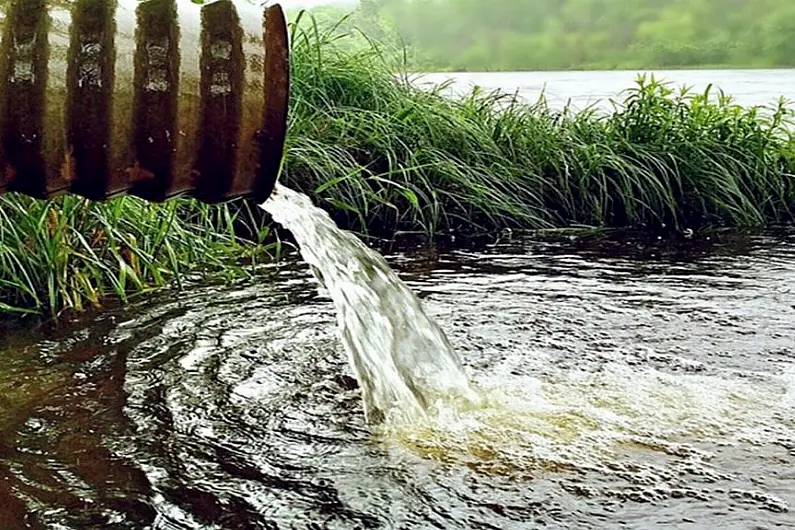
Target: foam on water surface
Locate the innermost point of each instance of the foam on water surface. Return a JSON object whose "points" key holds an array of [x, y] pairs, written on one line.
{"points": [[645, 427]]}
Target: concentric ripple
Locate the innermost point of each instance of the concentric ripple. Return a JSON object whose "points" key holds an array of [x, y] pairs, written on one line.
{"points": [[628, 385]]}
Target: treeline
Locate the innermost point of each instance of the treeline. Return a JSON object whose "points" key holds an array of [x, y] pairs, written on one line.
{"points": [[486, 35]]}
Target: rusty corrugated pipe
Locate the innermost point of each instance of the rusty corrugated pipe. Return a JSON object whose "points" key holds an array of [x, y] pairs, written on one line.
{"points": [[152, 98]]}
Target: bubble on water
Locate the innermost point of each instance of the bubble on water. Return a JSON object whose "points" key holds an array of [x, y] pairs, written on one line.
{"points": [[643, 428]]}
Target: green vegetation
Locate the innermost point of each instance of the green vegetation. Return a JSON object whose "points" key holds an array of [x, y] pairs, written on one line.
{"points": [[382, 155], [491, 35], [70, 253]]}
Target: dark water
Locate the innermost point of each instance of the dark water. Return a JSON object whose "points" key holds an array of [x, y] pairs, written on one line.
{"points": [[641, 385]]}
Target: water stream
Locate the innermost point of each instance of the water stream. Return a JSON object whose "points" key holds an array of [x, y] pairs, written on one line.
{"points": [[609, 382], [403, 360], [582, 420]]}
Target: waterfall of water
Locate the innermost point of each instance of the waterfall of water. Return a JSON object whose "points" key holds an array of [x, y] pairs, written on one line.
{"points": [[403, 360]]}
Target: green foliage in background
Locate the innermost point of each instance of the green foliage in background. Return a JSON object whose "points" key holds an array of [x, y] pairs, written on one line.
{"points": [[480, 35]]}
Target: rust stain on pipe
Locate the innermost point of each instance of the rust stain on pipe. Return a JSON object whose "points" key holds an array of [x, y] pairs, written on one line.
{"points": [[152, 98]]}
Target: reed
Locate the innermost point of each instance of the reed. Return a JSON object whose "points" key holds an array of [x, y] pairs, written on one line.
{"points": [[70, 253], [383, 155]]}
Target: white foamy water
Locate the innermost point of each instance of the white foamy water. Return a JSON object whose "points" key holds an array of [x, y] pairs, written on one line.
{"points": [[402, 358], [646, 427]]}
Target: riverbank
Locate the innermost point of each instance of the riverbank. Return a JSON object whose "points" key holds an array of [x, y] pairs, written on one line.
{"points": [[71, 254], [382, 155]]}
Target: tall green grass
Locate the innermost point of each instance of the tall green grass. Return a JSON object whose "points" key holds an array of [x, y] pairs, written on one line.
{"points": [[383, 155], [70, 253]]}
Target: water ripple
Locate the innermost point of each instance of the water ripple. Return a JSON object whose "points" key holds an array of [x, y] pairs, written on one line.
{"points": [[627, 391]]}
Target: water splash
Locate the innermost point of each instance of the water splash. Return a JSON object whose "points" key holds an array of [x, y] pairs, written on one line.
{"points": [[636, 434], [403, 360]]}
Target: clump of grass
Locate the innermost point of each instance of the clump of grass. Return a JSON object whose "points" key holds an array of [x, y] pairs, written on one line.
{"points": [[383, 155], [70, 253]]}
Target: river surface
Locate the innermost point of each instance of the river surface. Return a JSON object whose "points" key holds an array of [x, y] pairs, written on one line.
{"points": [[596, 89], [636, 385]]}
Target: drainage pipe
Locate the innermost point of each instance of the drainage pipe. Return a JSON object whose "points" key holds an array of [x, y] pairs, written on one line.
{"points": [[151, 98]]}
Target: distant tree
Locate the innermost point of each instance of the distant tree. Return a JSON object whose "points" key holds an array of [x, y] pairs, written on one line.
{"points": [[559, 34]]}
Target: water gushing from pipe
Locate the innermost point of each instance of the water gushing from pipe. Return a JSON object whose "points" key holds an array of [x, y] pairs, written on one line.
{"points": [[403, 360]]}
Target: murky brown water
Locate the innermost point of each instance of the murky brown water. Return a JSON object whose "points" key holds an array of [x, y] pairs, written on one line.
{"points": [[634, 386]]}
